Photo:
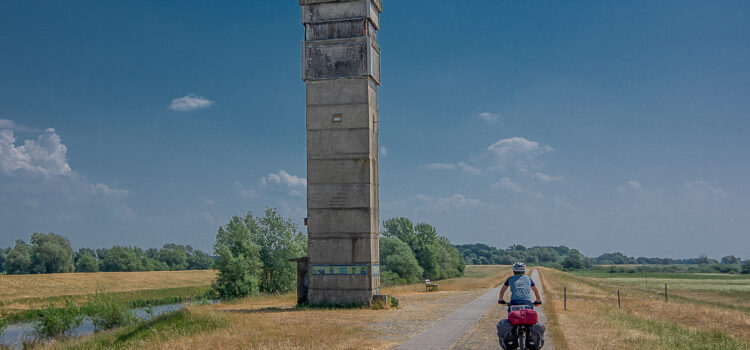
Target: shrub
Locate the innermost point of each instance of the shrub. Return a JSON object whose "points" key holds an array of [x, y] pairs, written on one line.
{"points": [[55, 322], [106, 313]]}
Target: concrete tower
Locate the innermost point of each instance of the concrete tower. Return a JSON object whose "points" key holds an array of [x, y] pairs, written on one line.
{"points": [[341, 70]]}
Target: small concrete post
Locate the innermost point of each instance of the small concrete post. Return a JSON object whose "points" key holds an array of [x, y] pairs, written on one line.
{"points": [[341, 70]]}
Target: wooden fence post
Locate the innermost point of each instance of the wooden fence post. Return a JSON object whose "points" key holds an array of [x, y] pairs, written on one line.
{"points": [[619, 306], [666, 294], [565, 298]]}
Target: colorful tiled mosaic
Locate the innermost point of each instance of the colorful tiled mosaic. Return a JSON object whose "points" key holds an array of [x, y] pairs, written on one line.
{"points": [[344, 269]]}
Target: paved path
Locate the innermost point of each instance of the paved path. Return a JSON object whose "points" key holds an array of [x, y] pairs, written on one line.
{"points": [[471, 327], [450, 329]]}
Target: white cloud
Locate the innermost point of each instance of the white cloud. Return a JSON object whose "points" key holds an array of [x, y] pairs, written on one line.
{"points": [[547, 178], [207, 201], [441, 166], [450, 166], [109, 191], [489, 117], [44, 159], [383, 150], [517, 152], [190, 102], [630, 186], [45, 156], [282, 177], [11, 125], [456, 201], [508, 185], [245, 192], [701, 191]]}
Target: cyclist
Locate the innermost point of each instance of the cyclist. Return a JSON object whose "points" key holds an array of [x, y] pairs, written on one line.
{"points": [[521, 287]]}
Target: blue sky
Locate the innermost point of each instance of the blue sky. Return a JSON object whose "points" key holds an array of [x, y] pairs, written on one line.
{"points": [[606, 126]]}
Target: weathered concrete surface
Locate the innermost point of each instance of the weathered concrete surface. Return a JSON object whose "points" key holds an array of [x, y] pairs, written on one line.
{"points": [[341, 70], [483, 335], [450, 329], [472, 326]]}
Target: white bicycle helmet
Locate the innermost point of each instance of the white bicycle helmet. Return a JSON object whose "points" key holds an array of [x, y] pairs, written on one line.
{"points": [[519, 267]]}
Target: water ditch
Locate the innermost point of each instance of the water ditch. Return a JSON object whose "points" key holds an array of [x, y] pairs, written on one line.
{"points": [[16, 334]]}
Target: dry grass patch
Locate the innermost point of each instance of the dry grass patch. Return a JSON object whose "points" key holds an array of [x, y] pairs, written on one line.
{"points": [[641, 323]]}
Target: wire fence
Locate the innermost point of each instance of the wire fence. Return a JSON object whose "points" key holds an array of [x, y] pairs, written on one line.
{"points": [[615, 295]]}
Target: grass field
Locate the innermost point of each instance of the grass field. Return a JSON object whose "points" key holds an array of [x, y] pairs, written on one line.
{"points": [[20, 293], [273, 322], [705, 311]]}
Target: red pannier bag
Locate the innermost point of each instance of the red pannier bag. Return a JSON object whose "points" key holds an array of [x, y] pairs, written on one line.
{"points": [[523, 317]]}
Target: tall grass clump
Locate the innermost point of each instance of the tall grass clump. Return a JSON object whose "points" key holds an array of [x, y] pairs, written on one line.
{"points": [[3, 324], [55, 322], [107, 313]]}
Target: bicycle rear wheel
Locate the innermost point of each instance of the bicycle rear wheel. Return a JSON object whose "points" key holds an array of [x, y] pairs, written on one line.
{"points": [[522, 340]]}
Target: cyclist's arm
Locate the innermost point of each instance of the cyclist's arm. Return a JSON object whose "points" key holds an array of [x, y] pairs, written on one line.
{"points": [[502, 292], [536, 293]]}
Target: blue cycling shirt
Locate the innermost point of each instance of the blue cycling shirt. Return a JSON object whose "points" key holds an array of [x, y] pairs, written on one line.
{"points": [[520, 287]]}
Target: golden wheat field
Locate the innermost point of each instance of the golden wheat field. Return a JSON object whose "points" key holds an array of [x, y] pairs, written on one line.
{"points": [[28, 291]]}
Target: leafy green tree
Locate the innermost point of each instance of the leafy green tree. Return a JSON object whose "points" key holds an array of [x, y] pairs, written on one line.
{"points": [[401, 228], [704, 260], [746, 267], [437, 257], [731, 259], [278, 240], [574, 260], [175, 256], [451, 262], [87, 263], [199, 260], [120, 259], [238, 262], [51, 253], [151, 264], [427, 250], [398, 265], [3, 253], [18, 260]]}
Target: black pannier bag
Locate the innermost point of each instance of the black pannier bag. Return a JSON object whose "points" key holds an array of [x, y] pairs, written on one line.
{"points": [[505, 335], [535, 339]]}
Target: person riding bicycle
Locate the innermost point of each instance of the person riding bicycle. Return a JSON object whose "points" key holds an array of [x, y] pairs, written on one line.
{"points": [[521, 287]]}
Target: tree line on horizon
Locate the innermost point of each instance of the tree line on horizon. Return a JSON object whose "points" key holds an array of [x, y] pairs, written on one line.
{"points": [[562, 257], [52, 253]]}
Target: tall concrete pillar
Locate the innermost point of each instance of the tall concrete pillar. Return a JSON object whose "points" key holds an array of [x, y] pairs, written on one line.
{"points": [[341, 70]]}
